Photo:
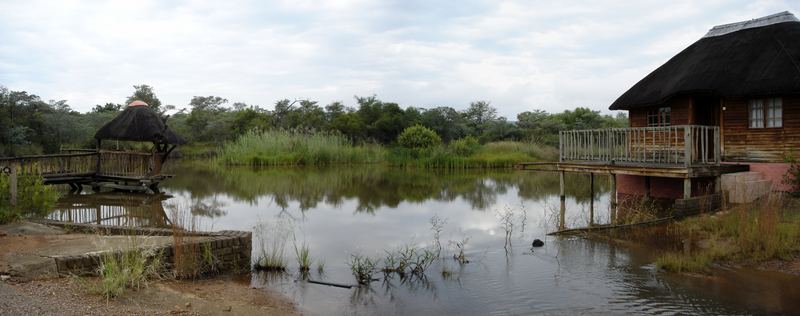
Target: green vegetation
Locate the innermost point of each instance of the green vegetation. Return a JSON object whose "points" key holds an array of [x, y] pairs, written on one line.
{"points": [[33, 126], [362, 267], [303, 255], [272, 241], [129, 269], [417, 137], [33, 198], [281, 147], [746, 234]]}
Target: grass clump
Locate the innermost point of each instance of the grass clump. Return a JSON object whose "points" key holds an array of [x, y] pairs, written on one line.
{"points": [[294, 147], [467, 153], [747, 234], [34, 198], [127, 270], [272, 240], [303, 255], [363, 268]]}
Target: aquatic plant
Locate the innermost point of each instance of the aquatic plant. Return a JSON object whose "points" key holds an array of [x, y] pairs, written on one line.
{"points": [[303, 255], [460, 245], [320, 267], [506, 217], [362, 267], [437, 225], [272, 243]]}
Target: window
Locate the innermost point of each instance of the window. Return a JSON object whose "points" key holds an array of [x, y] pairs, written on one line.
{"points": [[659, 117], [765, 113]]}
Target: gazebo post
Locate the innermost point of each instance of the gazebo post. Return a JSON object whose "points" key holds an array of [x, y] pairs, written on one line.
{"points": [[97, 166]]}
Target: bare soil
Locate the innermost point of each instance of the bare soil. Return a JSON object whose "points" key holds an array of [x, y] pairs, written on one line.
{"points": [[225, 295]]}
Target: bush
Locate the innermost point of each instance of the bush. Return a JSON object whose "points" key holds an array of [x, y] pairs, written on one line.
{"points": [[465, 146], [418, 136], [33, 198]]}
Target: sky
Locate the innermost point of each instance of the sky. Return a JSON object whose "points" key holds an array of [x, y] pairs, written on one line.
{"points": [[519, 55]]}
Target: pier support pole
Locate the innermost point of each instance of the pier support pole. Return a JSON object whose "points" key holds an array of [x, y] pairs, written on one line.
{"points": [[591, 199], [563, 197], [687, 188], [613, 198], [647, 187]]}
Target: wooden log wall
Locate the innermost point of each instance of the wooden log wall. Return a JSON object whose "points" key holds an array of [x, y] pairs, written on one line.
{"points": [[742, 143]]}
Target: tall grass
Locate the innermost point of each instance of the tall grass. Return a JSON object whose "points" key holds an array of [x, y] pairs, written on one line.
{"points": [[272, 244], [290, 147], [133, 268], [746, 234], [462, 155]]}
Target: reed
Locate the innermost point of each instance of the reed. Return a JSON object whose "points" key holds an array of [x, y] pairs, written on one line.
{"points": [[129, 269], [272, 243], [363, 268], [294, 147]]}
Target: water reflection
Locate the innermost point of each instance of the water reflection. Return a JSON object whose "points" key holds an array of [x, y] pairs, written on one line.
{"points": [[372, 187], [343, 211]]}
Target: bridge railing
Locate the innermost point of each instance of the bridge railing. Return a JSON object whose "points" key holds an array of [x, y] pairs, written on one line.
{"points": [[128, 164]]}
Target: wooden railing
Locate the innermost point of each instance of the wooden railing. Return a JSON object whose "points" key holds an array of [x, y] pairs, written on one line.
{"points": [[103, 163], [673, 145], [62, 165], [128, 164]]}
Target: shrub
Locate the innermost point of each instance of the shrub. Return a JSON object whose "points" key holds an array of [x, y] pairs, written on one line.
{"points": [[34, 198], [418, 136], [465, 146]]}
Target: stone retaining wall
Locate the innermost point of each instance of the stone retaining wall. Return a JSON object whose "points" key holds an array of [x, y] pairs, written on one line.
{"points": [[205, 252]]}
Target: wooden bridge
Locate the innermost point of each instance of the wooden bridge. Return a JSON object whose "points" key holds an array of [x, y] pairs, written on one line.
{"points": [[116, 169], [130, 210]]}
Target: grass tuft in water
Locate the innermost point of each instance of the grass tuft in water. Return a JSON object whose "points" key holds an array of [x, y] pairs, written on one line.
{"points": [[272, 240], [363, 268]]}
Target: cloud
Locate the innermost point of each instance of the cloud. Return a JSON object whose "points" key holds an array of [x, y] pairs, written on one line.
{"points": [[520, 55]]}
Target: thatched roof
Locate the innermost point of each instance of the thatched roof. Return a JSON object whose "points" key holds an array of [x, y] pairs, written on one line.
{"points": [[141, 124], [759, 57]]}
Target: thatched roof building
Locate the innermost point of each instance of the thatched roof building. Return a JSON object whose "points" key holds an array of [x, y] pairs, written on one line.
{"points": [[139, 123], [755, 58]]}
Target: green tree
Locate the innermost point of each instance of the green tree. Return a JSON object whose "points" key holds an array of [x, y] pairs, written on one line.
{"points": [[418, 136], [478, 116], [146, 94]]}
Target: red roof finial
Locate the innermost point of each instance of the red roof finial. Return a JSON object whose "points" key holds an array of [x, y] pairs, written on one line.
{"points": [[137, 103]]}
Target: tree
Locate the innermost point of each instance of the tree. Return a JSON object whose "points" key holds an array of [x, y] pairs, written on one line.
{"points": [[146, 94], [479, 114], [446, 122], [209, 103], [108, 107]]}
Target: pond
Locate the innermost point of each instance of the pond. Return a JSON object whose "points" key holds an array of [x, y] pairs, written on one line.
{"points": [[369, 210]]}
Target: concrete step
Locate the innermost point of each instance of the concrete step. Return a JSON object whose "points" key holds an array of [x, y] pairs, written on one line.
{"points": [[729, 180], [749, 191]]}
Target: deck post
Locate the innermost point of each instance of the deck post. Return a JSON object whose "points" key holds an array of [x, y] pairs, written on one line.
{"points": [[613, 198], [687, 145], [563, 199], [647, 187], [687, 188], [13, 185], [591, 199]]}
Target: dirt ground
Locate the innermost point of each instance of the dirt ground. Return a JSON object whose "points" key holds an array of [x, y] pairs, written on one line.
{"points": [[24, 251], [224, 295]]}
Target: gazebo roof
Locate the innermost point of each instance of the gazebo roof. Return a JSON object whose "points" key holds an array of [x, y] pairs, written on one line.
{"points": [[139, 123], [759, 57]]}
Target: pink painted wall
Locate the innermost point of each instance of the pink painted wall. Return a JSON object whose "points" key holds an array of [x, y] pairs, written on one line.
{"points": [[773, 171], [668, 188]]}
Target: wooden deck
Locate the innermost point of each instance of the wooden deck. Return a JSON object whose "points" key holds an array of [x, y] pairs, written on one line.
{"points": [[636, 169]]}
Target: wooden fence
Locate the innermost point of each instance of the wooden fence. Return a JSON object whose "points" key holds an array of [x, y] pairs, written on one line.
{"points": [[103, 163], [670, 145]]}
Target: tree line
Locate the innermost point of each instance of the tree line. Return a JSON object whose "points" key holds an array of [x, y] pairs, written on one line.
{"points": [[33, 126]]}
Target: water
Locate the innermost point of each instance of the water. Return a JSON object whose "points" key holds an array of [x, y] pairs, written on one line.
{"points": [[367, 210]]}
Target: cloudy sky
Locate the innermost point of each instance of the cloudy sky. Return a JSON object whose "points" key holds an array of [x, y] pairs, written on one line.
{"points": [[520, 55]]}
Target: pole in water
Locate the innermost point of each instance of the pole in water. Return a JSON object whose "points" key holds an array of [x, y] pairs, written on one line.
{"points": [[591, 199], [563, 197]]}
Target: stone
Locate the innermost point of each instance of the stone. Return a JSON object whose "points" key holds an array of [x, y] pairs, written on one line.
{"points": [[537, 243], [227, 308]]}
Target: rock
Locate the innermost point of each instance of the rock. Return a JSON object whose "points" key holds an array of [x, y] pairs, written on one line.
{"points": [[188, 304], [537, 243], [5, 277], [227, 308]]}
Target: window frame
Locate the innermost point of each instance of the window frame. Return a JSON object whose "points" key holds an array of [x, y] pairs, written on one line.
{"points": [[662, 116], [768, 115]]}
